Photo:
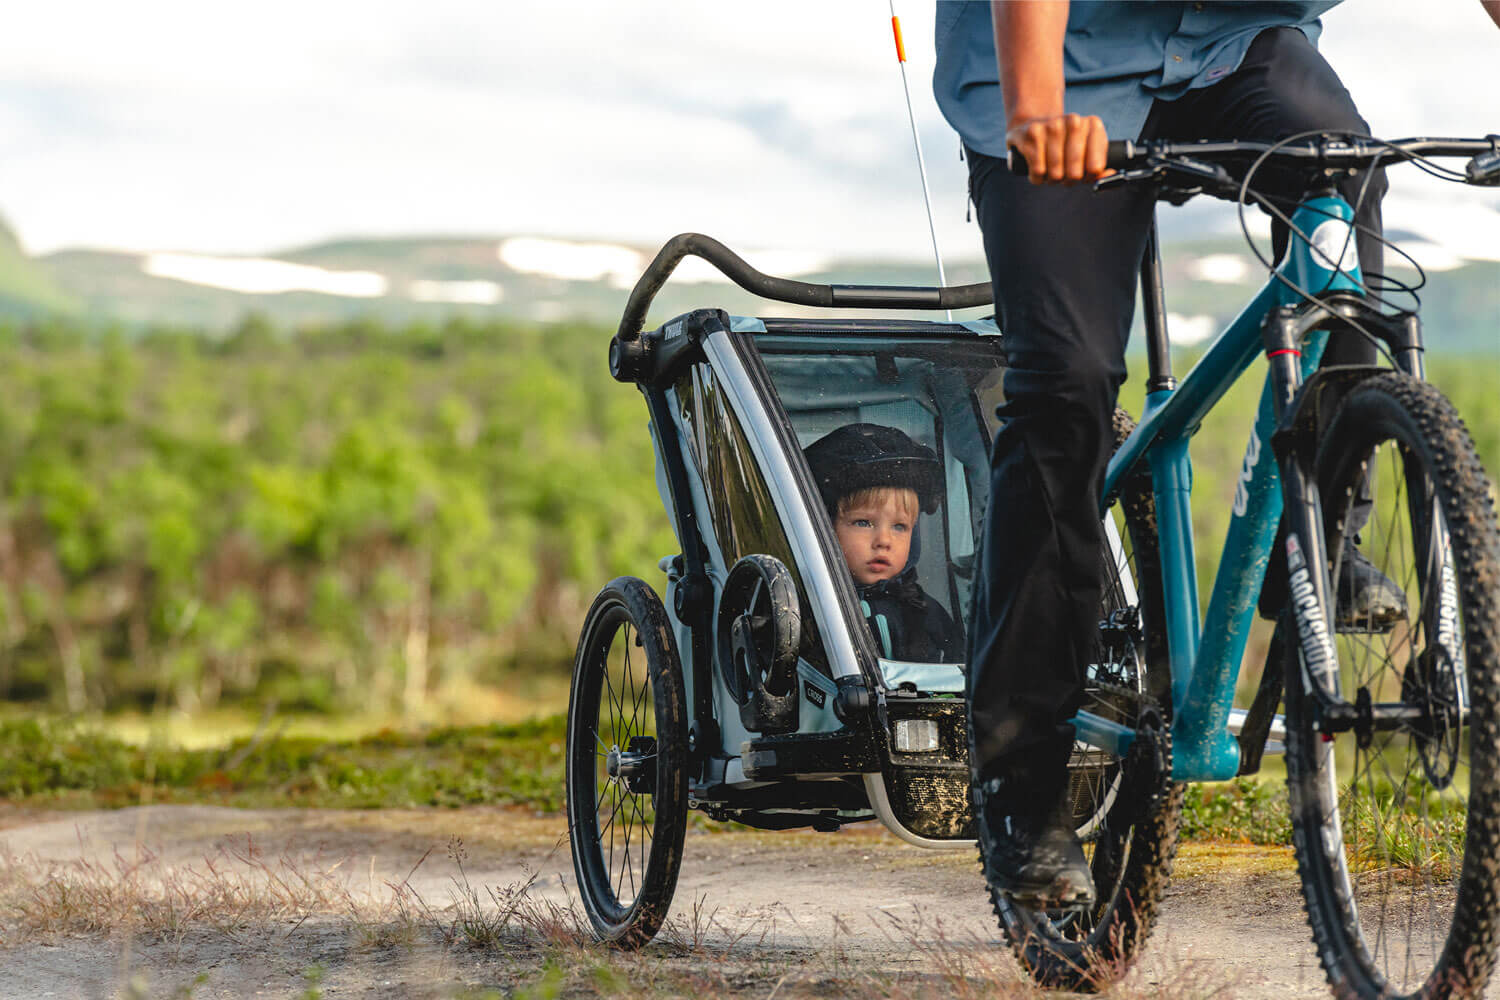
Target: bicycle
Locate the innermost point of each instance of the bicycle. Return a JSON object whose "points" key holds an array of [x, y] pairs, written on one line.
{"points": [[759, 695], [1392, 726]]}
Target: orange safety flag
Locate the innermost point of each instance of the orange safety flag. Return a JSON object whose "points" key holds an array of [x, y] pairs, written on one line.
{"points": [[900, 48]]}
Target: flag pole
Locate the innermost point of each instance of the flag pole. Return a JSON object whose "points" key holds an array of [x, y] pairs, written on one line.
{"points": [[917, 142]]}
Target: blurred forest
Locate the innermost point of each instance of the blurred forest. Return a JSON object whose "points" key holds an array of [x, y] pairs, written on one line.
{"points": [[356, 517], [351, 518]]}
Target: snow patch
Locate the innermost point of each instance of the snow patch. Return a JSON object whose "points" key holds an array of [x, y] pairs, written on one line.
{"points": [[1188, 330], [1220, 268], [468, 293], [777, 263], [262, 276], [622, 266], [573, 261]]}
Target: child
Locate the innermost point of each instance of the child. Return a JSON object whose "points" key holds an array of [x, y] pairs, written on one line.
{"points": [[875, 481]]}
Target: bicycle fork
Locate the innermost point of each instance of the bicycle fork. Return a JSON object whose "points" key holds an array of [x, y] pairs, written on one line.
{"points": [[1311, 606]]}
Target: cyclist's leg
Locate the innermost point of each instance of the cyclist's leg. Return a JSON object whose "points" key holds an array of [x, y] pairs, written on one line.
{"points": [[1283, 87], [1064, 263]]}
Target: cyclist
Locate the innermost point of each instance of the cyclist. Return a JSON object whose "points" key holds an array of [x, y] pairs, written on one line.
{"points": [[1055, 81]]}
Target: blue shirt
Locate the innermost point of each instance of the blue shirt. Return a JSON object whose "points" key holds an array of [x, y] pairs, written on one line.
{"points": [[1118, 57]]}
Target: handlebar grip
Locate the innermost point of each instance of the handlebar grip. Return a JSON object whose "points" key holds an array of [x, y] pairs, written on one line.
{"points": [[1119, 153]]}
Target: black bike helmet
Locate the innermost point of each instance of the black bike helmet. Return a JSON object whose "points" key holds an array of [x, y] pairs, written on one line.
{"points": [[864, 456]]}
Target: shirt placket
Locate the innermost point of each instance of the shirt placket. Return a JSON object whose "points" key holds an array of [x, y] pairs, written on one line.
{"points": [[1177, 63]]}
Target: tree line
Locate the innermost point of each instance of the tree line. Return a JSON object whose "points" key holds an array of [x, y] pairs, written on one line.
{"points": [[353, 516]]}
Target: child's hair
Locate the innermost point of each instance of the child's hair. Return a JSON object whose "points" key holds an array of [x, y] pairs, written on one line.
{"points": [[904, 495], [857, 458]]}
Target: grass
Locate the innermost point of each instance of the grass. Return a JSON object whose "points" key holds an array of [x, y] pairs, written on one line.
{"points": [[55, 764], [1241, 811], [62, 765], [59, 765]]}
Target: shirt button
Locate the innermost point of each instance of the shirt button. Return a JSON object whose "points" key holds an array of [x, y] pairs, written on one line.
{"points": [[1177, 58], [1198, 7]]}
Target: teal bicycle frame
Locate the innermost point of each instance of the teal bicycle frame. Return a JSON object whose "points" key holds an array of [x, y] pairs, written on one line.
{"points": [[1205, 654]]}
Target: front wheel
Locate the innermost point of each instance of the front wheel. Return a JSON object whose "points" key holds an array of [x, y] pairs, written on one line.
{"points": [[1397, 826], [626, 765], [1126, 810]]}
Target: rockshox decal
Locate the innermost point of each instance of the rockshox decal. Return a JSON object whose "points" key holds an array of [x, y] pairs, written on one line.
{"points": [[1312, 630], [1448, 636]]}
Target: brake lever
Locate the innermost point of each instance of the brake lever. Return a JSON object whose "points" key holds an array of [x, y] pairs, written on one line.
{"points": [[1209, 176], [1484, 169], [1201, 177], [1153, 172]]}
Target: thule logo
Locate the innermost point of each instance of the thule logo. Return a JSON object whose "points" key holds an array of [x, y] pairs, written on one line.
{"points": [[1247, 472]]}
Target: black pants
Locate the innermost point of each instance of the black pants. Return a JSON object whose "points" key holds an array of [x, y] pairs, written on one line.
{"points": [[1064, 262]]}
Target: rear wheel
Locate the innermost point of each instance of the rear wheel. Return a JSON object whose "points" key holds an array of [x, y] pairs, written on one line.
{"points": [[1397, 829], [1126, 810], [627, 764]]}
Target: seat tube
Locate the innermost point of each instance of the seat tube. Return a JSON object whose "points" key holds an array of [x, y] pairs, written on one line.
{"points": [[1172, 482]]}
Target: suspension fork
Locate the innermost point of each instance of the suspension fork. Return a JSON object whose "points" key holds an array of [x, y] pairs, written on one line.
{"points": [[1306, 557]]}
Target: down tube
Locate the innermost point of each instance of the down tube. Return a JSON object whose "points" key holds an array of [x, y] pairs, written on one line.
{"points": [[1202, 747]]}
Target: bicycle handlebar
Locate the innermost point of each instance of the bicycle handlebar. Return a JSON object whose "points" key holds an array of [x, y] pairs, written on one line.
{"points": [[1326, 151], [801, 293]]}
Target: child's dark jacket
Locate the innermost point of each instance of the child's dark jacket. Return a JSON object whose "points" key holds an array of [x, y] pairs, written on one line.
{"points": [[907, 623]]}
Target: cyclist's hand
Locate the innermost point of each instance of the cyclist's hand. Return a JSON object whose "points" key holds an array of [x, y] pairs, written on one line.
{"points": [[1061, 149]]}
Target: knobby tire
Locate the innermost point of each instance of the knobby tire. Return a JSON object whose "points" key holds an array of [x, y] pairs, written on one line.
{"points": [[1402, 902]]}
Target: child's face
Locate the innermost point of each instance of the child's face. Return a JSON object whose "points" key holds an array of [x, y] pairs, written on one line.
{"points": [[874, 530]]}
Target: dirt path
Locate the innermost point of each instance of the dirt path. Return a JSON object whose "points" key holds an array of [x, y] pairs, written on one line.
{"points": [[170, 901]]}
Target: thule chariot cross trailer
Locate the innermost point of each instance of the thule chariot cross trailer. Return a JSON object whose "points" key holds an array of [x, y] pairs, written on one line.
{"points": [[757, 689]]}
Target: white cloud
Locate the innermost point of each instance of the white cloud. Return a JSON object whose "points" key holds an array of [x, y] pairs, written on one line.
{"points": [[171, 124], [1428, 256], [1468, 229]]}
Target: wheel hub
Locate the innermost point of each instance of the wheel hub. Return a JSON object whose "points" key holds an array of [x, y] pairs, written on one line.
{"points": [[635, 765]]}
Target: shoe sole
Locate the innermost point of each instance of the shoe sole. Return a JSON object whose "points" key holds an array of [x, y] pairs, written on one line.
{"points": [[1048, 897]]}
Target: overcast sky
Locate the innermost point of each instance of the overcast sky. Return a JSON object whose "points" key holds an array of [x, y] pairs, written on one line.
{"points": [[247, 128]]}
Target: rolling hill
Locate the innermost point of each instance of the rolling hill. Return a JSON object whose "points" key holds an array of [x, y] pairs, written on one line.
{"points": [[427, 278]]}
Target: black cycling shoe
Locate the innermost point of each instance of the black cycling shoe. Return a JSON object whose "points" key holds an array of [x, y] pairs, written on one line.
{"points": [[1034, 857], [1368, 600]]}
